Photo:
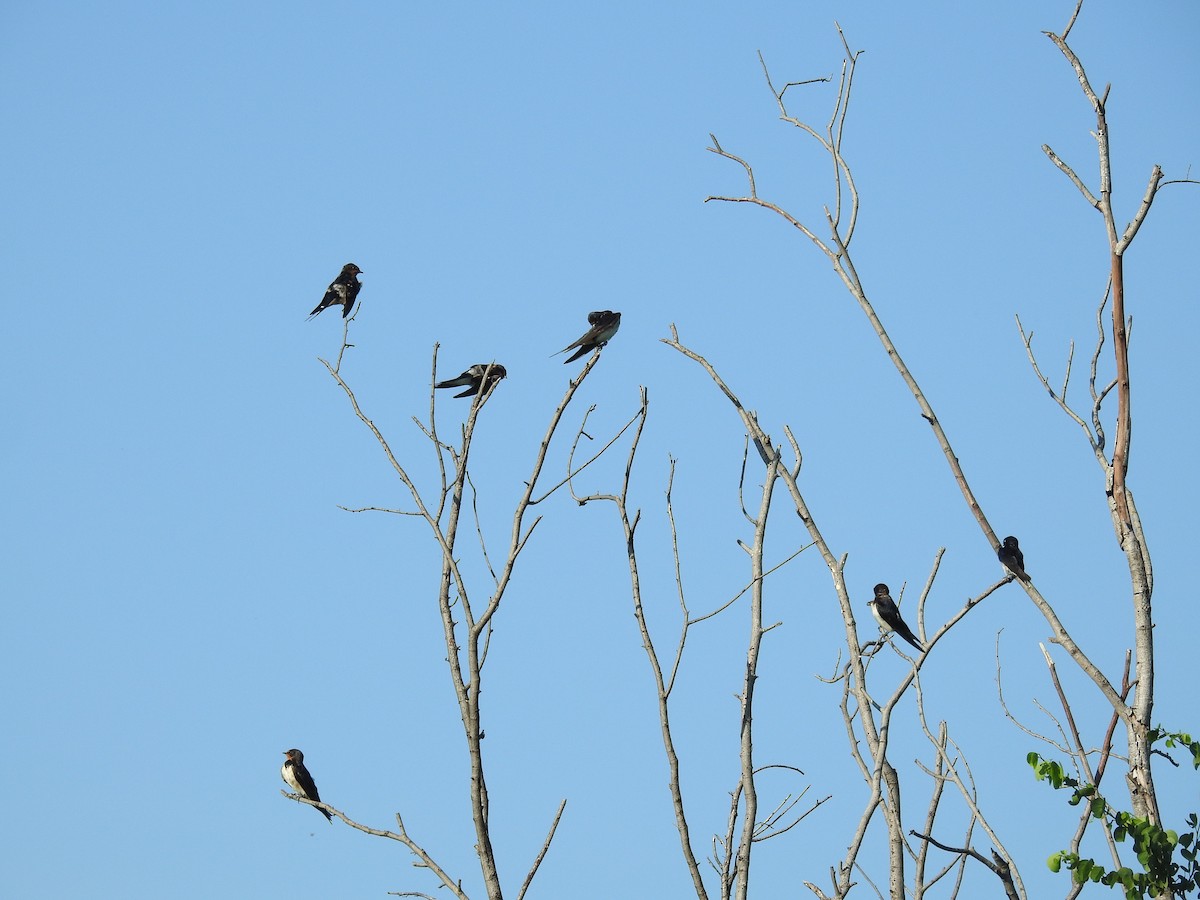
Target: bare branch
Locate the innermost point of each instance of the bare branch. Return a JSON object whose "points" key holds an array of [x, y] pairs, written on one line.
{"points": [[1059, 398], [1098, 397], [1139, 217], [734, 599], [346, 345], [572, 471], [948, 770], [998, 866], [720, 151], [426, 861], [360, 509], [1071, 23], [1070, 173], [1008, 713], [542, 855]]}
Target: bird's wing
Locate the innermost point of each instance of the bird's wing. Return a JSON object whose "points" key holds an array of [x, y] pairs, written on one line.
{"points": [[464, 378], [349, 292], [586, 341], [905, 632], [333, 294], [305, 780]]}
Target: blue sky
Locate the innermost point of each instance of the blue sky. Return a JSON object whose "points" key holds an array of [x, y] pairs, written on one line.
{"points": [[184, 599]]}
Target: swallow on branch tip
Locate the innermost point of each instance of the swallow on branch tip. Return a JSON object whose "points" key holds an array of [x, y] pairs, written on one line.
{"points": [[476, 379], [342, 291], [604, 324]]}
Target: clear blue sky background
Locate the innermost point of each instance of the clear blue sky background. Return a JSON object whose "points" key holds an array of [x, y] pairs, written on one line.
{"points": [[184, 600]]}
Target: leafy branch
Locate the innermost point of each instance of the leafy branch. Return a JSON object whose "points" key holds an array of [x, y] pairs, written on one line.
{"points": [[1155, 847]]}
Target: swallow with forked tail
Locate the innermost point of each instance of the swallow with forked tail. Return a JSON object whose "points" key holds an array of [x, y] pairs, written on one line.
{"points": [[476, 379], [887, 614], [342, 291], [604, 324], [1012, 558], [299, 780]]}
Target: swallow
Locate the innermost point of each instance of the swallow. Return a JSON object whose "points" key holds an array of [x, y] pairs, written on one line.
{"points": [[1012, 558], [883, 607], [299, 780], [342, 291], [604, 324], [476, 378]]}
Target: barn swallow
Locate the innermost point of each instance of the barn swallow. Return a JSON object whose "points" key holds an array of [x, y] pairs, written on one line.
{"points": [[299, 780], [1012, 558], [883, 607], [604, 324], [474, 378], [342, 291]]}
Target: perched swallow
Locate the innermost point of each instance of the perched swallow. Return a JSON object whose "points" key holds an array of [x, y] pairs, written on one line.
{"points": [[883, 607], [342, 291], [299, 780], [604, 324], [1012, 558], [474, 378]]}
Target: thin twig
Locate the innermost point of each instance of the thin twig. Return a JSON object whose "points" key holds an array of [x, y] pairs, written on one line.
{"points": [[542, 854]]}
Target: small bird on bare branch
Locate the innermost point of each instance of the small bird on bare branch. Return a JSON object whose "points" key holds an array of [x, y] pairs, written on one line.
{"points": [[342, 291], [1012, 558], [476, 378], [604, 324], [299, 780], [887, 614]]}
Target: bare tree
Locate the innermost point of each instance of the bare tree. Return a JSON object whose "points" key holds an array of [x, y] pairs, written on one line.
{"points": [[731, 852], [833, 237], [467, 618]]}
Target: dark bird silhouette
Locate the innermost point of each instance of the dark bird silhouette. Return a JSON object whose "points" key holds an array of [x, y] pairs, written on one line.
{"points": [[886, 613], [342, 291], [475, 377], [1012, 558], [299, 780], [604, 324]]}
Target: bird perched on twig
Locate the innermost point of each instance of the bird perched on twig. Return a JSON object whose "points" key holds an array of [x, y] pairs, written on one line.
{"points": [[604, 324], [475, 377], [887, 614], [299, 780], [341, 291], [1012, 558]]}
